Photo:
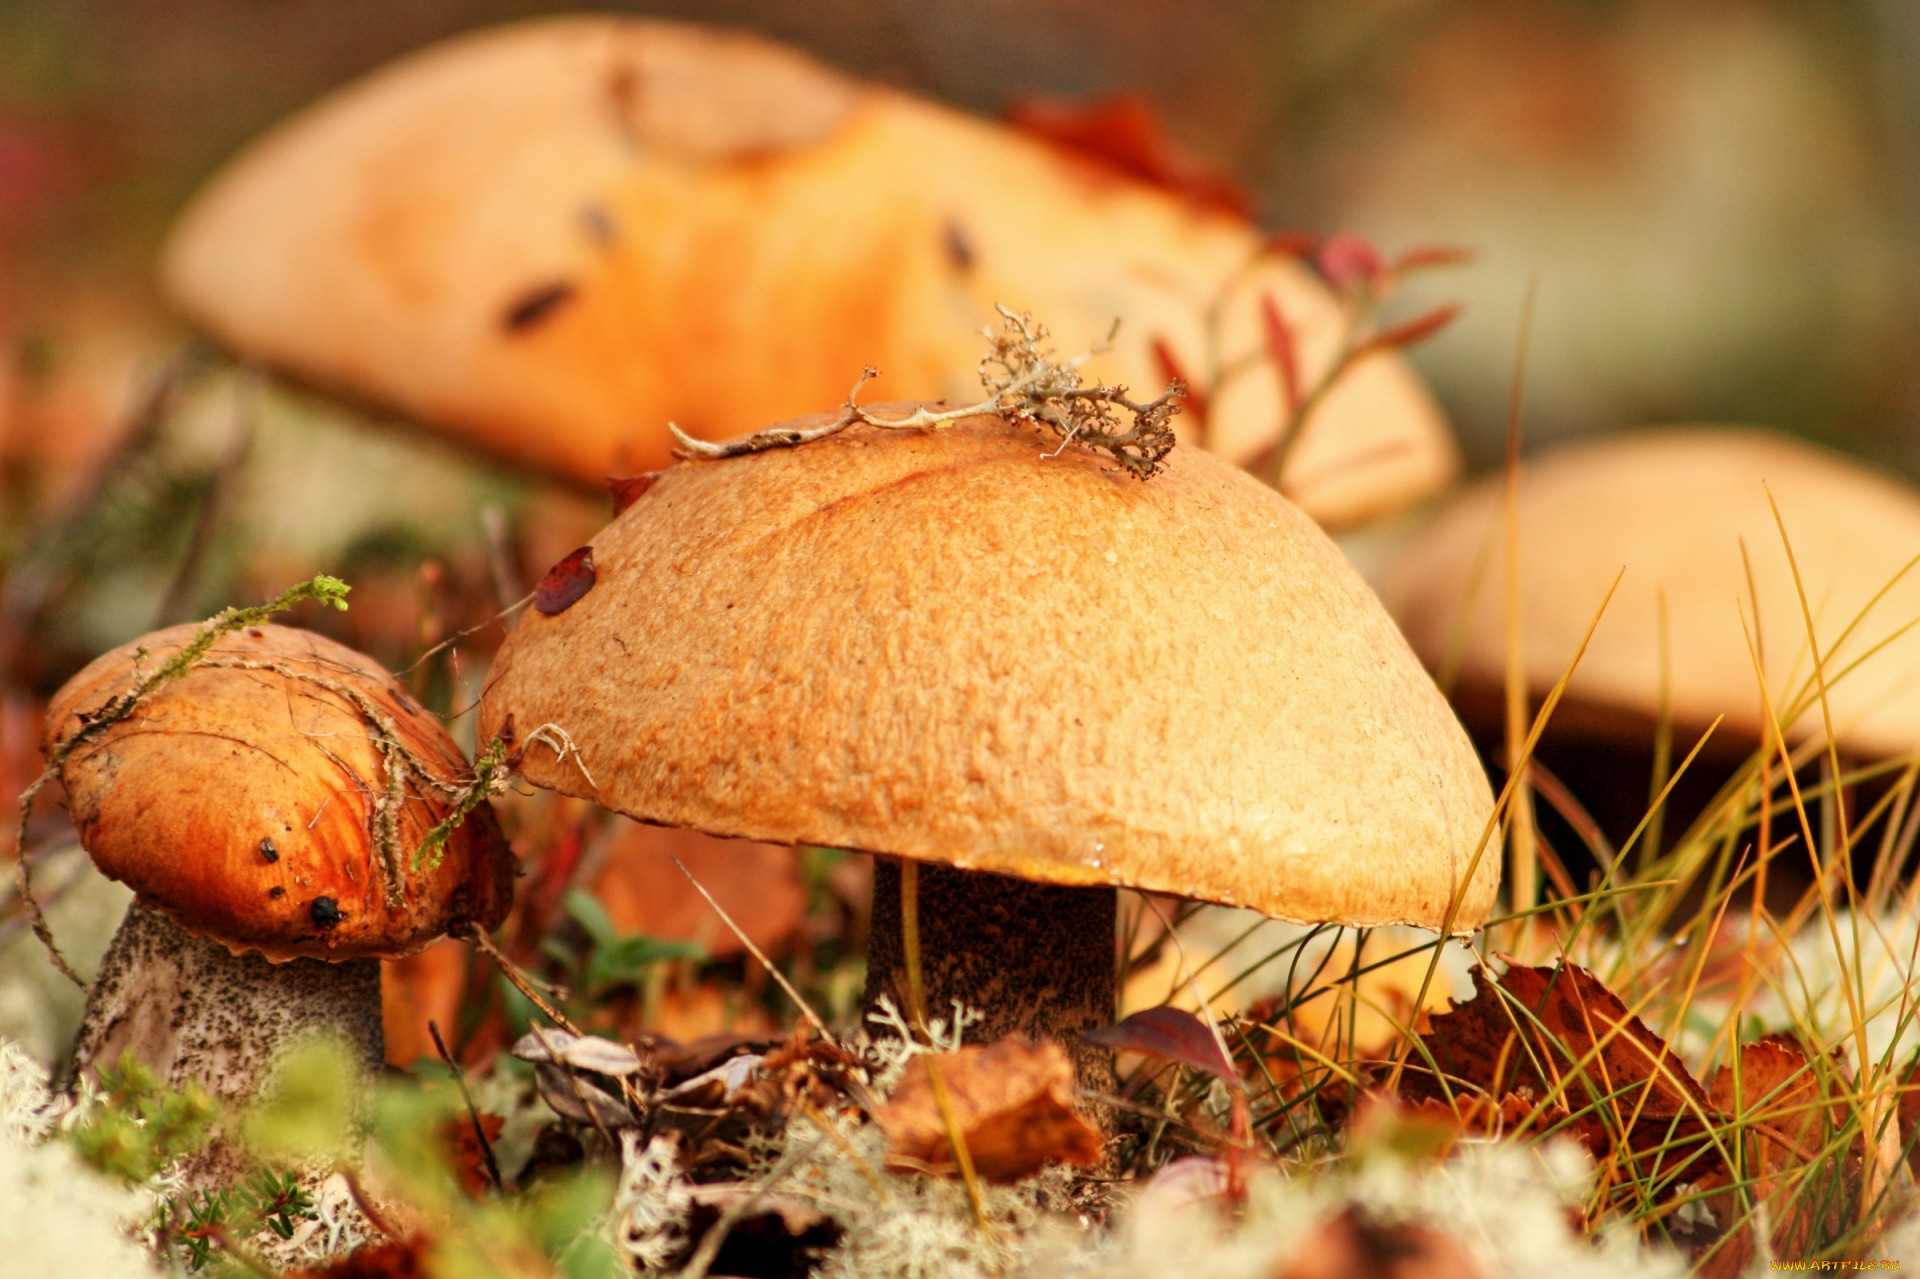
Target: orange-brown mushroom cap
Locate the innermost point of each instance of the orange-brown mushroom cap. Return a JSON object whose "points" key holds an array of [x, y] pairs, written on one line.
{"points": [[248, 799], [552, 238], [946, 646]]}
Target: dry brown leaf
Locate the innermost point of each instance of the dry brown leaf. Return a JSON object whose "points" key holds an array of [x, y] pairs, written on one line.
{"points": [[758, 885], [465, 1152], [1012, 1102], [417, 989], [393, 1259], [703, 1010], [1557, 1035], [1788, 1121], [1352, 1247]]}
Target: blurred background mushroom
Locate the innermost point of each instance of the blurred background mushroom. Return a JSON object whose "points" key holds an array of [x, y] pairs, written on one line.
{"points": [[552, 239], [1710, 587]]}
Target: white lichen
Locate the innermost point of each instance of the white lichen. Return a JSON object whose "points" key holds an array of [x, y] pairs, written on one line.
{"points": [[58, 1216], [648, 1220]]}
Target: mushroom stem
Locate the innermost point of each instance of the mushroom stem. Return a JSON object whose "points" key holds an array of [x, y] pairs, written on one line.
{"points": [[192, 1011], [1032, 959]]}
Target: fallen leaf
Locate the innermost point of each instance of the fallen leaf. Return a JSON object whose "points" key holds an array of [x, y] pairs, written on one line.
{"points": [[1124, 133], [1012, 1102], [394, 1259], [1562, 1043], [573, 1098], [629, 489], [422, 988], [565, 583], [1353, 1245], [1777, 1098], [1172, 1034], [468, 1156], [758, 885], [582, 1052]]}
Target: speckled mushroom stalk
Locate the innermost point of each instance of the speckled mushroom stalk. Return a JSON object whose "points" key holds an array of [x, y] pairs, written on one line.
{"points": [[1030, 959], [1037, 677], [266, 808]]}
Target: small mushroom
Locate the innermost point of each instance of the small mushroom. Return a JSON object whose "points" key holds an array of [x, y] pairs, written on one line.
{"points": [[1684, 512], [265, 807], [1035, 676], [553, 238]]}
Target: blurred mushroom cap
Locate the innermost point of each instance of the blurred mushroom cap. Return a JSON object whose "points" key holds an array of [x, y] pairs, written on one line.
{"points": [[1674, 509], [245, 798], [553, 238], [946, 646]]}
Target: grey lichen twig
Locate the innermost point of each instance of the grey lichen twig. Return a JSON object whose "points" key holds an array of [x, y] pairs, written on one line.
{"points": [[330, 591], [1024, 382]]}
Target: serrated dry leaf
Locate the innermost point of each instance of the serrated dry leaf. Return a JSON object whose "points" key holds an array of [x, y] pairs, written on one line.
{"points": [[1788, 1120], [1012, 1102], [1557, 1035]]}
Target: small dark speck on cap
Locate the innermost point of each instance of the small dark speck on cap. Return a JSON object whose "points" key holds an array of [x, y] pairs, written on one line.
{"points": [[326, 912], [268, 851], [276, 891], [535, 305], [256, 632], [958, 246]]}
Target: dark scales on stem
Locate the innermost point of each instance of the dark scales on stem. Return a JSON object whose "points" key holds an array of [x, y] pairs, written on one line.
{"points": [[1032, 959]]}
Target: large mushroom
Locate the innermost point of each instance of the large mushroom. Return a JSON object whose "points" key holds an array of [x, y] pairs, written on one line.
{"points": [[1036, 675], [1684, 511], [268, 808], [555, 237]]}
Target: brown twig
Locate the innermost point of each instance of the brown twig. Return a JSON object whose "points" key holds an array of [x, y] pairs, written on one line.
{"points": [[473, 1111], [511, 971]]}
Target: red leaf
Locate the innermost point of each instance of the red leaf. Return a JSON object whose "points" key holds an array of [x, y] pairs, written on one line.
{"points": [[1418, 329], [565, 583], [1350, 262], [1290, 244], [1192, 397], [1281, 350], [392, 1259], [1123, 133], [629, 490], [1430, 255], [1169, 1033]]}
